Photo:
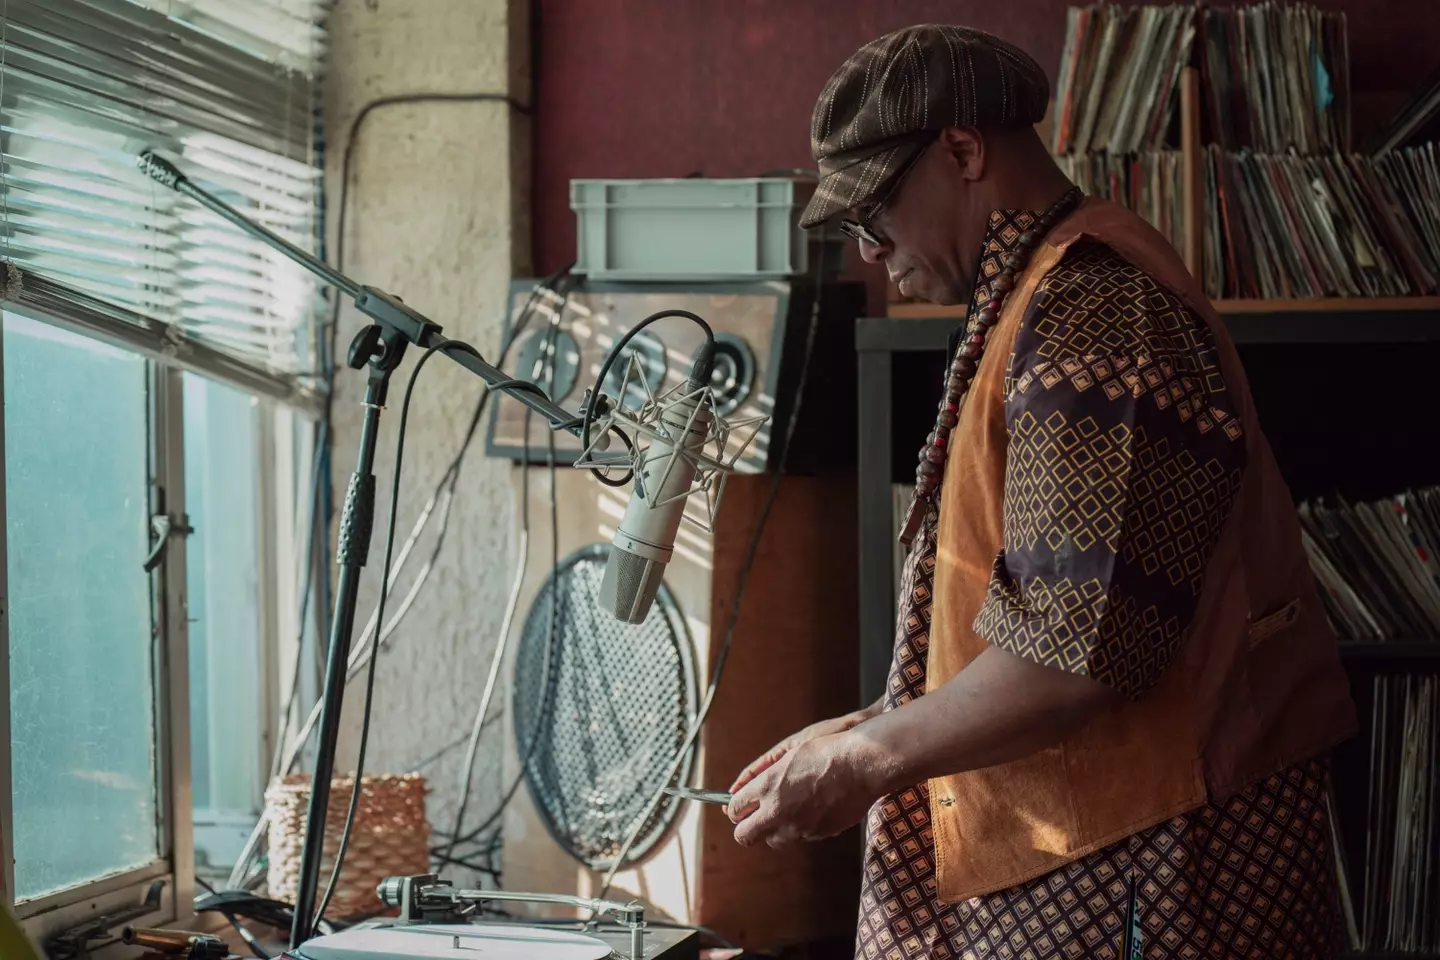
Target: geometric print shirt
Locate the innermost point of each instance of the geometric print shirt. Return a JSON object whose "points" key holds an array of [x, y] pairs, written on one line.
{"points": [[1122, 465]]}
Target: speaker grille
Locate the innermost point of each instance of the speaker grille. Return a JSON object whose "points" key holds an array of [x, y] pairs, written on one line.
{"points": [[616, 707]]}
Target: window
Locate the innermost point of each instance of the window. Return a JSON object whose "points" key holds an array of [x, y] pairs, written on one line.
{"points": [[227, 731], [159, 386], [82, 704]]}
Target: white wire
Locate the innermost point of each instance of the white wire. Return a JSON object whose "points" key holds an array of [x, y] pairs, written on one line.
{"points": [[495, 661], [359, 658]]}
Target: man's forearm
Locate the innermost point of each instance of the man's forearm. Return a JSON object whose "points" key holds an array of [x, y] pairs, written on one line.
{"points": [[999, 708]]}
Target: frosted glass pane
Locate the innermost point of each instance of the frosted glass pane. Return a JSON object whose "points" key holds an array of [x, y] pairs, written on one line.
{"points": [[81, 694], [222, 560]]}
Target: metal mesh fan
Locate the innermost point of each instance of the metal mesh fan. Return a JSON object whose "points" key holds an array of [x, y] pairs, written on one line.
{"points": [[616, 707]]}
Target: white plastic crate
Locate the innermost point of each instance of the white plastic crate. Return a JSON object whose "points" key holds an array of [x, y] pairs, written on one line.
{"points": [[693, 229]]}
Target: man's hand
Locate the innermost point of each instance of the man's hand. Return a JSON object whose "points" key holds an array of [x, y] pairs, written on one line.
{"points": [[824, 728], [815, 789]]}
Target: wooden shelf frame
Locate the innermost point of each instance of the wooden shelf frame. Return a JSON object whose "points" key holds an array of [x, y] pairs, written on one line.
{"points": [[1192, 172], [917, 329]]}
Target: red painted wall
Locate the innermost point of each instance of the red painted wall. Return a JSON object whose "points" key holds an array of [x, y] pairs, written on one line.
{"points": [[658, 88]]}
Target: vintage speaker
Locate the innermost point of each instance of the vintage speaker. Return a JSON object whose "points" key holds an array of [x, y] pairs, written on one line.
{"points": [[760, 329], [597, 708]]}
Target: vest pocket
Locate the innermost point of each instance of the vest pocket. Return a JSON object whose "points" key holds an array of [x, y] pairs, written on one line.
{"points": [[1273, 623]]}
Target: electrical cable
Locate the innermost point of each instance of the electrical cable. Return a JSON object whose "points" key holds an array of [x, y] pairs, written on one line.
{"points": [[323, 449], [548, 351], [610, 358], [494, 674], [512, 385], [342, 215], [346, 165], [509, 385], [380, 607], [546, 368], [293, 697], [445, 489], [743, 579], [496, 659], [234, 904], [250, 940]]}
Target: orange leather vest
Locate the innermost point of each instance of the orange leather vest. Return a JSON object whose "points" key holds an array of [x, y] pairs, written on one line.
{"points": [[1256, 686]]}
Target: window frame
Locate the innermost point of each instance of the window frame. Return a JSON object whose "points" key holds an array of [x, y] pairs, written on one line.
{"points": [[283, 413]]}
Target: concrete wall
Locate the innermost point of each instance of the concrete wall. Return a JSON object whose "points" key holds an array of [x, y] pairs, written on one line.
{"points": [[433, 200]]}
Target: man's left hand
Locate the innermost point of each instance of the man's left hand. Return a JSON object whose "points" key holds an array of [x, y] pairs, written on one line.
{"points": [[818, 789]]}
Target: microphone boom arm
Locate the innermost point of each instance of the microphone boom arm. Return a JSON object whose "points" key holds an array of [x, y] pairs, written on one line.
{"points": [[390, 312]]}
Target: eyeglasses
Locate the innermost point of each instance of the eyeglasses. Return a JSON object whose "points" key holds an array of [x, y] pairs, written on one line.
{"points": [[861, 229]]}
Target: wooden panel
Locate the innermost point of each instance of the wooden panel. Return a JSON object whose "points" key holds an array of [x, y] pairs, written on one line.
{"points": [[792, 663], [923, 311], [1336, 304]]}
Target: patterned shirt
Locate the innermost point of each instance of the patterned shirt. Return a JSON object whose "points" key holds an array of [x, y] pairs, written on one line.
{"points": [[1122, 464]]}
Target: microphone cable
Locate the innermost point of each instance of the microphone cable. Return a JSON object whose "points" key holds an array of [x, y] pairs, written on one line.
{"points": [[287, 754], [546, 369], [743, 579], [590, 407], [510, 385], [327, 344]]}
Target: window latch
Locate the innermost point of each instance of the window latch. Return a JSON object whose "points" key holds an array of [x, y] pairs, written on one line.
{"points": [[162, 527]]}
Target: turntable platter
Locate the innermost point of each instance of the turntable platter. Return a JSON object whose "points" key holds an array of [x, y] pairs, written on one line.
{"points": [[455, 942]]}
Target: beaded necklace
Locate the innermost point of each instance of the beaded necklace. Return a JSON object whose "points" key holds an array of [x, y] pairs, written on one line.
{"points": [[967, 360]]}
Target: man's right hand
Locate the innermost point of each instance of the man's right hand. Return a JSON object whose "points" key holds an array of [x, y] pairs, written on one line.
{"points": [[822, 729]]}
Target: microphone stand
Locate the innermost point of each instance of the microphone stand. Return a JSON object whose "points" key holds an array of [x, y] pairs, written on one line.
{"points": [[380, 345]]}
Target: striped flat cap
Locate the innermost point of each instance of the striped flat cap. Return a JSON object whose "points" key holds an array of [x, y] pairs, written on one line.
{"points": [[894, 94]]}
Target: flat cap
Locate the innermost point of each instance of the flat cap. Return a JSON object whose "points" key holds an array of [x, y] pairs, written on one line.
{"points": [[888, 100]]}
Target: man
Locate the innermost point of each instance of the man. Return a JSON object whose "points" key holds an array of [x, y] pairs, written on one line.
{"points": [[1113, 685]]}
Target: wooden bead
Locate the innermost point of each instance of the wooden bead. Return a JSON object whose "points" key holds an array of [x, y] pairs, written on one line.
{"points": [[947, 419], [963, 366], [927, 469], [977, 339], [1027, 239], [970, 350], [924, 486], [987, 317], [1003, 283], [1011, 260], [935, 455]]}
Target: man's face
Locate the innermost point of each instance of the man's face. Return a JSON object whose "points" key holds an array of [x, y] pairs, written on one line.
{"points": [[930, 226]]}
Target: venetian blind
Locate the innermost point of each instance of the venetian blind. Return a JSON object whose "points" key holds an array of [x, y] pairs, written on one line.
{"points": [[227, 89]]}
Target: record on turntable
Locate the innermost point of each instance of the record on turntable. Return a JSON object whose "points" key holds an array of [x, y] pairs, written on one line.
{"points": [[469, 941]]}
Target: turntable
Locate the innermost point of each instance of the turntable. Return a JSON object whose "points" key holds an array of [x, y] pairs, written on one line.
{"points": [[437, 922]]}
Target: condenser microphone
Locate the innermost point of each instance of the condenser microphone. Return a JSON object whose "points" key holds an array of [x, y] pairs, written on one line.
{"points": [[645, 540]]}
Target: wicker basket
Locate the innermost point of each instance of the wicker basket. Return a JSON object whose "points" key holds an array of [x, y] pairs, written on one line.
{"points": [[390, 838]]}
